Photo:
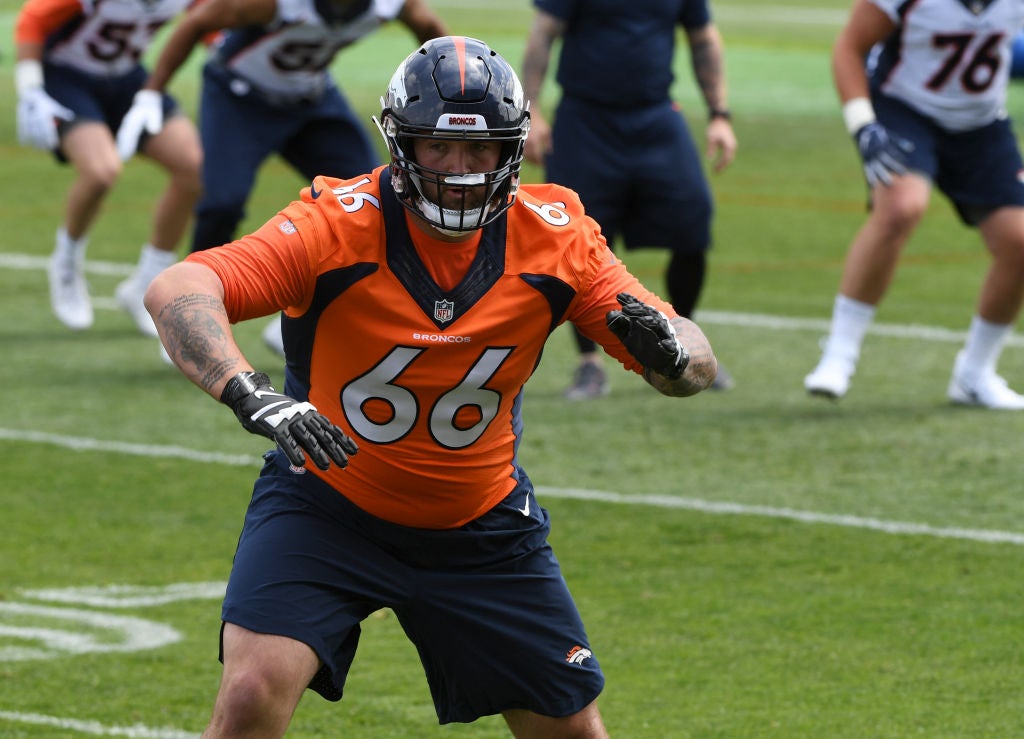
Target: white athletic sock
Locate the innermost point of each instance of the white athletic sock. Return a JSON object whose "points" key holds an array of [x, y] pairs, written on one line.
{"points": [[985, 341], [153, 261], [850, 321], [69, 250]]}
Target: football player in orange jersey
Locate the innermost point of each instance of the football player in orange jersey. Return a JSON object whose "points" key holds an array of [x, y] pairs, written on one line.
{"points": [[78, 75], [418, 299]]}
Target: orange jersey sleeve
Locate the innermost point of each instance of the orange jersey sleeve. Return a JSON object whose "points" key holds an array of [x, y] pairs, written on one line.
{"points": [[263, 272], [428, 379], [39, 18], [600, 274]]}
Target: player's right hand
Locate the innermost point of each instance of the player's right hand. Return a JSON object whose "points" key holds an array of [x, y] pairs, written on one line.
{"points": [[297, 427], [38, 114], [884, 154], [145, 116]]}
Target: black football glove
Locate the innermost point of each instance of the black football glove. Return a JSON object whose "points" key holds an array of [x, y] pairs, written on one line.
{"points": [[647, 334], [296, 427]]}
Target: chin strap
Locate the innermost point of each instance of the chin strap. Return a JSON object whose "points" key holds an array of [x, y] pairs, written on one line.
{"points": [[434, 215]]}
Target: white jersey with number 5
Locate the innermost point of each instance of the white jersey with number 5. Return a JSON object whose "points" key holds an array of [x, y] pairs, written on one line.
{"points": [[949, 59], [110, 36], [290, 56]]}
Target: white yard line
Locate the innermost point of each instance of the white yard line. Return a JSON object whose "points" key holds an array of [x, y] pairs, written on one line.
{"points": [[906, 528], [13, 260], [136, 731], [820, 325], [724, 508], [10, 260]]}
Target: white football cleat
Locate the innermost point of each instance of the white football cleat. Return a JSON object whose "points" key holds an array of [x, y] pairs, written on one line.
{"points": [[272, 336], [129, 296], [988, 391], [69, 293], [830, 379]]}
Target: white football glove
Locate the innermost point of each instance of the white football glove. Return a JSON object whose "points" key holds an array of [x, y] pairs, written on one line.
{"points": [[38, 114], [145, 115]]}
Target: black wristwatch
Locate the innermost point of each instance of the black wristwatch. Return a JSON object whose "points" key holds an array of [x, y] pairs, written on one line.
{"points": [[719, 113]]}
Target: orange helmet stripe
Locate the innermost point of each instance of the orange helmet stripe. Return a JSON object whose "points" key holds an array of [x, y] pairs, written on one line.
{"points": [[460, 51]]}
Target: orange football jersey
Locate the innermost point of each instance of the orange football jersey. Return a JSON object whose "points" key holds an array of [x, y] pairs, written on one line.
{"points": [[427, 380]]}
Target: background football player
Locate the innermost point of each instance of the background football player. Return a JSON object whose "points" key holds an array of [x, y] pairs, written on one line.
{"points": [[930, 109], [621, 142], [77, 77]]}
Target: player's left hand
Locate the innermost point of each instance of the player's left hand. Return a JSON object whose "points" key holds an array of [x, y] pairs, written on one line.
{"points": [[721, 143], [145, 116], [647, 334]]}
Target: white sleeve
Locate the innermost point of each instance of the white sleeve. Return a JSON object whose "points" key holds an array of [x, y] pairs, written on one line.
{"points": [[292, 10], [388, 10], [889, 8]]}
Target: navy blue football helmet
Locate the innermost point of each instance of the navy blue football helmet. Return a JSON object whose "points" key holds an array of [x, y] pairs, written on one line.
{"points": [[454, 87]]}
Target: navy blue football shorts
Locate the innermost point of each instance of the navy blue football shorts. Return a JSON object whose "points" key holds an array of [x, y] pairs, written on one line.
{"points": [[978, 170], [637, 171], [485, 604], [240, 128], [102, 99]]}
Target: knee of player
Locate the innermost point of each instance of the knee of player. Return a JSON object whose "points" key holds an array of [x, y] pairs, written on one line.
{"points": [[190, 167], [899, 208], [1003, 232], [246, 702], [102, 175], [187, 179], [213, 226], [223, 195]]}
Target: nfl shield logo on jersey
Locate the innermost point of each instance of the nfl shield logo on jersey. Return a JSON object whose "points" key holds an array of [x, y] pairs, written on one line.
{"points": [[444, 311]]}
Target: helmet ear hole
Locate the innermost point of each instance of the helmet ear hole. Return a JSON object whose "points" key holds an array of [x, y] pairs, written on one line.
{"points": [[455, 88]]}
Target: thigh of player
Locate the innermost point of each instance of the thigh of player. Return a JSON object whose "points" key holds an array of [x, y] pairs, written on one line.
{"points": [[238, 132], [506, 635], [332, 141]]}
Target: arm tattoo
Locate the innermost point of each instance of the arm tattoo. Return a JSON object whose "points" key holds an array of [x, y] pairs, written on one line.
{"points": [[706, 58], [700, 370], [195, 333]]}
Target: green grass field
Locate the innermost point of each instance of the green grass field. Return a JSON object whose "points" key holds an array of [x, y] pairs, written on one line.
{"points": [[750, 564]]}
